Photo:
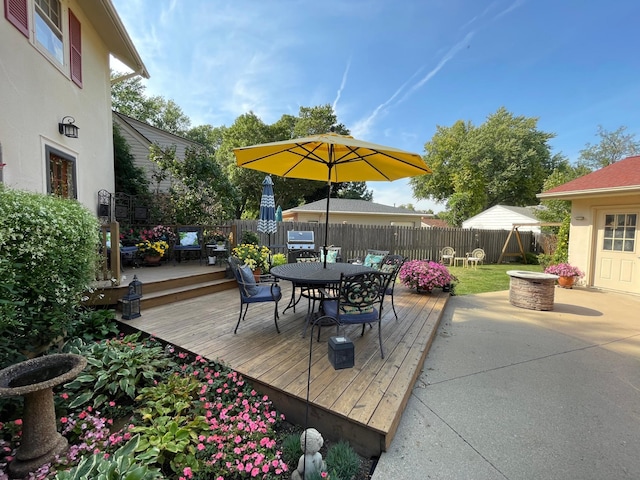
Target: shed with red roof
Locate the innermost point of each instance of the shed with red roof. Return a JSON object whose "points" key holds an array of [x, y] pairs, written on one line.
{"points": [[604, 239]]}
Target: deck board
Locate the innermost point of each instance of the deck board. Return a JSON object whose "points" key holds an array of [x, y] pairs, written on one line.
{"points": [[362, 404]]}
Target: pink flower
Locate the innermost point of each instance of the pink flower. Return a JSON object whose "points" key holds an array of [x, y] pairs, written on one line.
{"points": [[187, 472]]}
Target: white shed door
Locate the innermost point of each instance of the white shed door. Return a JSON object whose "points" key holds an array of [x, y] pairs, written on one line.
{"points": [[618, 251]]}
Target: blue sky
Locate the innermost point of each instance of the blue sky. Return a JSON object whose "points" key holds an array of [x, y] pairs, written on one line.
{"points": [[395, 69]]}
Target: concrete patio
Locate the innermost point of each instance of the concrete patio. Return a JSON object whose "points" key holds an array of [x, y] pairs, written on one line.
{"points": [[509, 393]]}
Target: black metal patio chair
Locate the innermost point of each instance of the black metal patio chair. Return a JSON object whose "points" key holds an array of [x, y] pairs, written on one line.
{"points": [[252, 292], [358, 300], [392, 264]]}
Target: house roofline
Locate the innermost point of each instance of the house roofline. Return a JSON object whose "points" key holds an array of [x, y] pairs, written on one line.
{"points": [[115, 35], [593, 192]]}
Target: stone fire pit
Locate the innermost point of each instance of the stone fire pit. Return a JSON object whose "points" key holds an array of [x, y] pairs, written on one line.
{"points": [[532, 290]]}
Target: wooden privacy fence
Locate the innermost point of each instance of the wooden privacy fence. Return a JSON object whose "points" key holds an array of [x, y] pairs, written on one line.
{"points": [[415, 243]]}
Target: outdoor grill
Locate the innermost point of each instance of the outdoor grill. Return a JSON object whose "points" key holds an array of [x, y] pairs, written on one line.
{"points": [[300, 240]]}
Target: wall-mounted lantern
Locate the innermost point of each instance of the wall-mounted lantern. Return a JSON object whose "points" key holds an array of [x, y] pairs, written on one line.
{"points": [[68, 127]]}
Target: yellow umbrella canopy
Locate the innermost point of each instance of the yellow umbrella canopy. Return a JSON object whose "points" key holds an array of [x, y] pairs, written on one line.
{"points": [[332, 157]]}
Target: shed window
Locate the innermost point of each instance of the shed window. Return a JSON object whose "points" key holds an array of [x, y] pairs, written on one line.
{"points": [[619, 232]]}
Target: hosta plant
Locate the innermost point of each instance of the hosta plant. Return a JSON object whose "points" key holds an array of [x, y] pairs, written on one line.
{"points": [[117, 369]]}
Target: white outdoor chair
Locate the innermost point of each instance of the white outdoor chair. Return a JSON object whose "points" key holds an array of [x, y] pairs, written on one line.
{"points": [[447, 254], [476, 257]]}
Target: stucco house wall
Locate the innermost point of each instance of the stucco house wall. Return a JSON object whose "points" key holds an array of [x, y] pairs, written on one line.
{"points": [[38, 92]]}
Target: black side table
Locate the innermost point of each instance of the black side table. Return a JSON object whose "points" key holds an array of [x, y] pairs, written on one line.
{"points": [[215, 253]]}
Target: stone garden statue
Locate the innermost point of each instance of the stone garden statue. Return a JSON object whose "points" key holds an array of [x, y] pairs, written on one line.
{"points": [[311, 442]]}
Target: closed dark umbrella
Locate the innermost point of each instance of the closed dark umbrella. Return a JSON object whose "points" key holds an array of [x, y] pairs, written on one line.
{"points": [[279, 214], [267, 221]]}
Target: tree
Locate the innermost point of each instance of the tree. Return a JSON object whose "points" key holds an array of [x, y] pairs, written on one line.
{"points": [[129, 178], [355, 191], [504, 161], [128, 97], [558, 210], [613, 146], [201, 192]]}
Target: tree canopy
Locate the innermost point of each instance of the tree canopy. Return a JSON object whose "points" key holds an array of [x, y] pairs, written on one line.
{"points": [[503, 161], [128, 97], [559, 210], [613, 146]]}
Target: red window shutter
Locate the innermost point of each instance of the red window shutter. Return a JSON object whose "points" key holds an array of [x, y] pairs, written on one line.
{"points": [[16, 12], [75, 50]]}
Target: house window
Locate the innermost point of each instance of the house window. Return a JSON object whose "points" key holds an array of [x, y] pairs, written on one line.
{"points": [[62, 173], [619, 232], [49, 27], [51, 35]]}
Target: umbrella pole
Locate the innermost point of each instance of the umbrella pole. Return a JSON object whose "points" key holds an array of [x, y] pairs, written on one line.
{"points": [[326, 223]]}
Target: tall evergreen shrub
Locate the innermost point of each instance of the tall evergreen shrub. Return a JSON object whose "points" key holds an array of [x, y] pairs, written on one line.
{"points": [[48, 258]]}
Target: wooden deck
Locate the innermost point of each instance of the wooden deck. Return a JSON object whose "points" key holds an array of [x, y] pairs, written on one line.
{"points": [[362, 405]]}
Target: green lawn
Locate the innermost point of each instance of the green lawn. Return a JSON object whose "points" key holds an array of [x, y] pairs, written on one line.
{"points": [[486, 278]]}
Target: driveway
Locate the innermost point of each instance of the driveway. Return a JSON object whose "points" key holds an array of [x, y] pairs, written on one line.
{"points": [[509, 393]]}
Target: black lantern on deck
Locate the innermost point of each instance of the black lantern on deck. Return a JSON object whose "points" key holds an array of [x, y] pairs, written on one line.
{"points": [[137, 286], [341, 353], [131, 305]]}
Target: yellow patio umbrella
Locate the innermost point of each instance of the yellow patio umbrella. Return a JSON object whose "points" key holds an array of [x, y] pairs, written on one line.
{"points": [[331, 157]]}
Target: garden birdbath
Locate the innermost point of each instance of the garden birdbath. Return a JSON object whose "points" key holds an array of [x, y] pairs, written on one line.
{"points": [[34, 380]]}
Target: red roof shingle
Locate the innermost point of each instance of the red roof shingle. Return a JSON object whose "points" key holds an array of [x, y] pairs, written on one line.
{"points": [[625, 173]]}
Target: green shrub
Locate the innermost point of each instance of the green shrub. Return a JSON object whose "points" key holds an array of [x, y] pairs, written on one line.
{"points": [[532, 258], [342, 461], [291, 450], [117, 370], [544, 260], [561, 255], [278, 259], [48, 258], [250, 237]]}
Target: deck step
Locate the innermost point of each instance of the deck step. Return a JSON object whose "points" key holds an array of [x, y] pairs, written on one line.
{"points": [[174, 287], [170, 295]]}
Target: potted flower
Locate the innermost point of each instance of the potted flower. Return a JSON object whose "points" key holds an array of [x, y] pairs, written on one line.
{"points": [[257, 258], [129, 237], [152, 251], [162, 232], [566, 272], [215, 236], [425, 275]]}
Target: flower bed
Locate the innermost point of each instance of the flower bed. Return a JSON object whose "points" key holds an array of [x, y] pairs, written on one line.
{"points": [[194, 419]]}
